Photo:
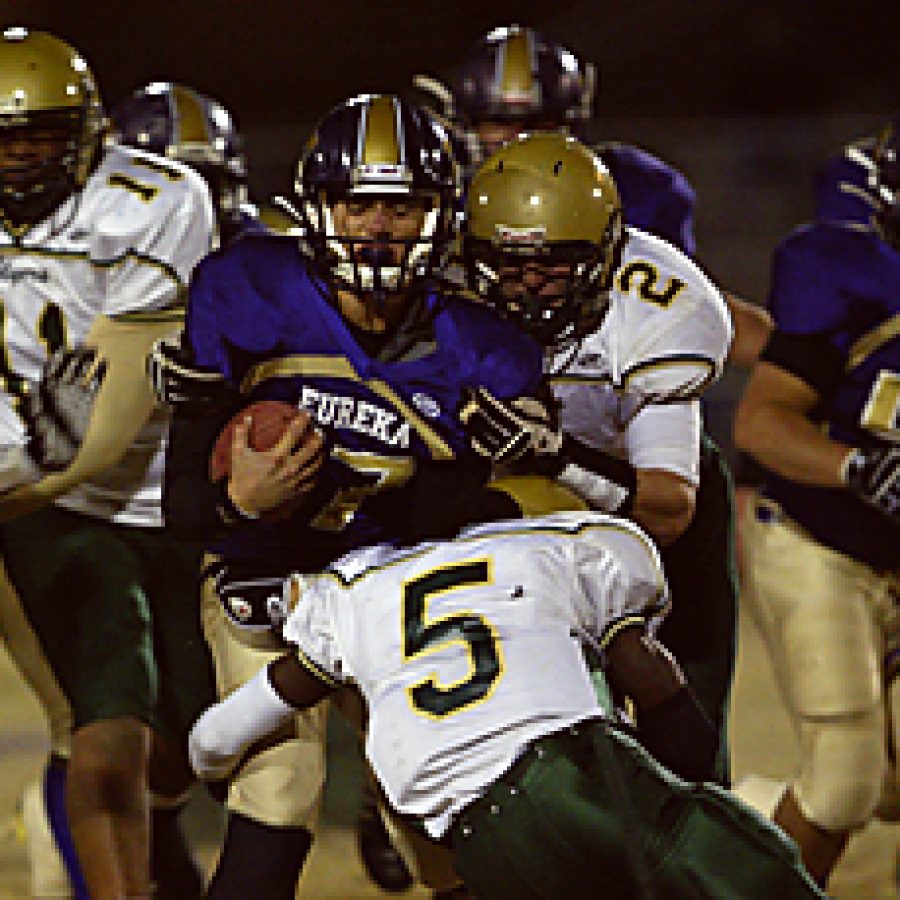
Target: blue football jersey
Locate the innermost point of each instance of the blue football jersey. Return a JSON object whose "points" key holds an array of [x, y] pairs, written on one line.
{"points": [[258, 314], [842, 283], [842, 189], [655, 197]]}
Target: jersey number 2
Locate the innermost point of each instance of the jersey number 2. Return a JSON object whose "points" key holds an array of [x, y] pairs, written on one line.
{"points": [[423, 635]]}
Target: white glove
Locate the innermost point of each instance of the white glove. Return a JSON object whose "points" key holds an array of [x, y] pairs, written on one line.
{"points": [[222, 735], [57, 410]]}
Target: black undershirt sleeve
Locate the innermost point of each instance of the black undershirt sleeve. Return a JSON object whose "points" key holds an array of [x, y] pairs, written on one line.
{"points": [[191, 502], [811, 357], [442, 499]]}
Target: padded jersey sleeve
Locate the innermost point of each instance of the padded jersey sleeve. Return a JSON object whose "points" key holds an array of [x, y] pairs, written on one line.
{"points": [[311, 628], [670, 328], [619, 575], [807, 306], [154, 224], [803, 298], [234, 302]]}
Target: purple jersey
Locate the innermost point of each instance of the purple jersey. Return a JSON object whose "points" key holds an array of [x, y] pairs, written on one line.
{"points": [[839, 287], [258, 314]]}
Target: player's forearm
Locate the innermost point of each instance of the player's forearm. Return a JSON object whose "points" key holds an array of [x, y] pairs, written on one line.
{"points": [[679, 734], [663, 504], [789, 444], [752, 328], [671, 725]]}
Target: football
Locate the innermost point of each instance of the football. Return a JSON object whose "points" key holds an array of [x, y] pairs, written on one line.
{"points": [[268, 421]]}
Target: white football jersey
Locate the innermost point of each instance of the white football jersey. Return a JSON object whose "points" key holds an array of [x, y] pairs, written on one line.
{"points": [[123, 246], [631, 387], [467, 651]]}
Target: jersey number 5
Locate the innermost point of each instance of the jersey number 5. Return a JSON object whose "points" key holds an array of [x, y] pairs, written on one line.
{"points": [[421, 635]]}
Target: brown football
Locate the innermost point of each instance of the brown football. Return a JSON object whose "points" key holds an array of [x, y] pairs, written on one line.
{"points": [[269, 419]]}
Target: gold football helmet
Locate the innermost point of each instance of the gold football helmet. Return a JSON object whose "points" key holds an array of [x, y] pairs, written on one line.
{"points": [[48, 99], [544, 233]]}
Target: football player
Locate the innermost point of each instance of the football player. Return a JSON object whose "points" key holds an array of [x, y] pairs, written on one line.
{"points": [[97, 244], [634, 332], [517, 79], [484, 727], [346, 324], [177, 122], [823, 537]]}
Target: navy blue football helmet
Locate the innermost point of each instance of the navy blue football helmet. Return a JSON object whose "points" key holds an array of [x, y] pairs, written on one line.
{"points": [[516, 73], [377, 146], [177, 122]]}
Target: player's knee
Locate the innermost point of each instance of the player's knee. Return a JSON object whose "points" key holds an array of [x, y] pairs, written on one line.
{"points": [[110, 756], [843, 771]]}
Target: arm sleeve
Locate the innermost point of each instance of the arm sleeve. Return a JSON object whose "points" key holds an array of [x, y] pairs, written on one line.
{"points": [[667, 437], [191, 502], [619, 572], [310, 628], [151, 272], [442, 498]]}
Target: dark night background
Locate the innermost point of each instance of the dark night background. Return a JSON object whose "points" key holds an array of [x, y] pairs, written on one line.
{"points": [[746, 98]]}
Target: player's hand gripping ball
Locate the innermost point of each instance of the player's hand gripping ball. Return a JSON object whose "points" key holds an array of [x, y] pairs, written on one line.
{"points": [[272, 452]]}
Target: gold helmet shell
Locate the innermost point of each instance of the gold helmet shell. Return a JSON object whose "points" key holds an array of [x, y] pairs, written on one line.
{"points": [[547, 198], [45, 82]]}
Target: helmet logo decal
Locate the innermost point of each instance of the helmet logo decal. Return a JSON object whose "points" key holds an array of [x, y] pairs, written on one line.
{"points": [[428, 406], [524, 237]]}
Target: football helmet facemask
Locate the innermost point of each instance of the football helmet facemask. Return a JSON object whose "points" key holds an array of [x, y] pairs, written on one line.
{"points": [[544, 234], [48, 97], [373, 148], [178, 122], [885, 182]]}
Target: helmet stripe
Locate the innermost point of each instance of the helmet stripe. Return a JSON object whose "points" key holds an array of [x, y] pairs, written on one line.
{"points": [[381, 144], [191, 117], [515, 64]]}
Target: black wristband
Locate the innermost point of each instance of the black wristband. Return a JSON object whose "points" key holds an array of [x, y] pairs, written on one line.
{"points": [[679, 734]]}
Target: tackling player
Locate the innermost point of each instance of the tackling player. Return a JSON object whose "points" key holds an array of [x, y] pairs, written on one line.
{"points": [[823, 537], [346, 324], [98, 243], [516, 80], [484, 727], [634, 332]]}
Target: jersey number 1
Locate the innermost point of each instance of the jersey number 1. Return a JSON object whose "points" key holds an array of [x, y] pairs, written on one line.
{"points": [[51, 329], [421, 635]]}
